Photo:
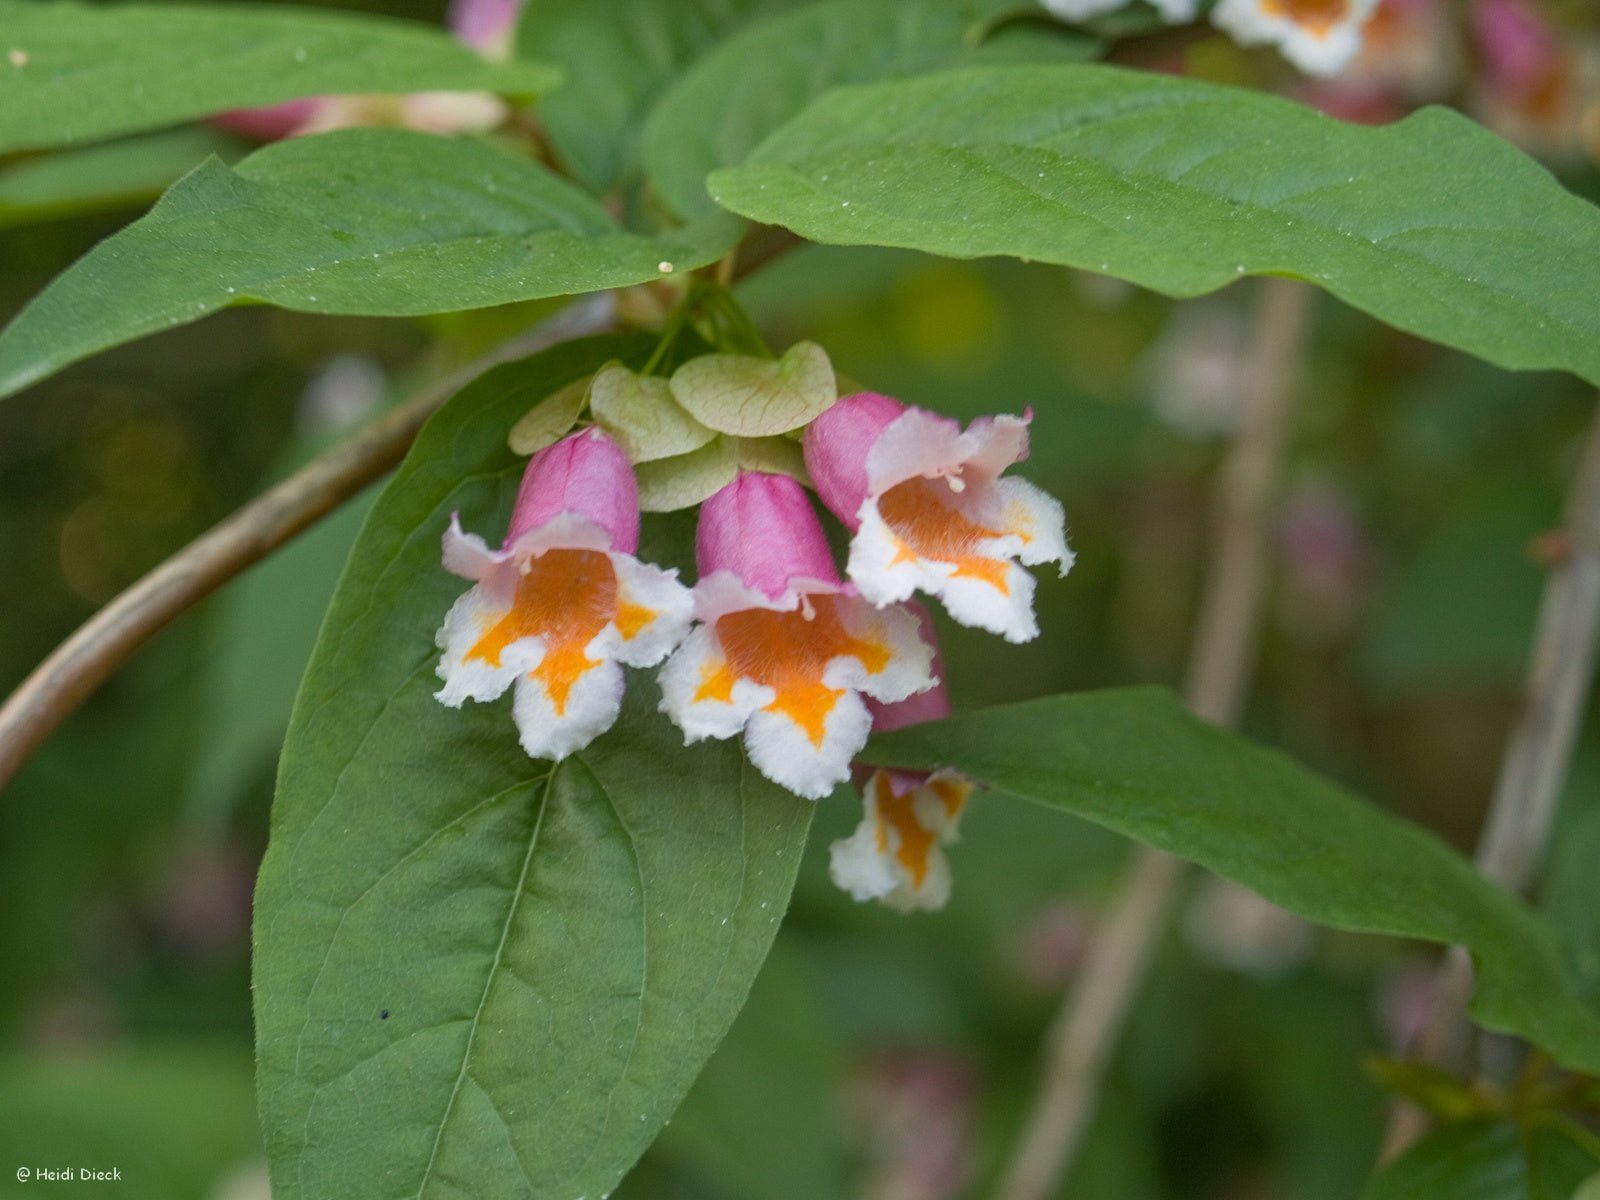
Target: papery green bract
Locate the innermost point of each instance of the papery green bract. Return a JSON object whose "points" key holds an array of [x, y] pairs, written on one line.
{"points": [[381, 222], [77, 72], [639, 411], [753, 397], [1432, 224], [477, 974], [1135, 761]]}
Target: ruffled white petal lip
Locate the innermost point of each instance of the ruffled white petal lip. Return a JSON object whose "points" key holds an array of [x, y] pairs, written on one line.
{"points": [[568, 691], [792, 683], [1317, 48]]}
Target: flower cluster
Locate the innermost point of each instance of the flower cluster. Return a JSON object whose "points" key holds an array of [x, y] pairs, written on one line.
{"points": [[771, 644]]}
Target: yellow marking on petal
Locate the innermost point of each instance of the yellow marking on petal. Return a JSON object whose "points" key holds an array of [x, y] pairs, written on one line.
{"points": [[900, 814], [788, 652], [631, 618], [927, 524], [1319, 17], [952, 793], [716, 683], [565, 598]]}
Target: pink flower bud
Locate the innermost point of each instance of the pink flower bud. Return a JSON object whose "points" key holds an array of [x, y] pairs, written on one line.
{"points": [[836, 449], [763, 529], [588, 475]]}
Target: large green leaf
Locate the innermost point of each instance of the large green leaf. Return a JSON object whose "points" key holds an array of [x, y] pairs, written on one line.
{"points": [[717, 112], [477, 974], [1432, 224], [619, 57], [1136, 761], [373, 221], [77, 72]]}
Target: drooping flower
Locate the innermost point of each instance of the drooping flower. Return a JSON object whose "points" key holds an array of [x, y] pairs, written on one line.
{"points": [[1318, 36], [895, 854], [784, 650], [930, 512], [563, 604]]}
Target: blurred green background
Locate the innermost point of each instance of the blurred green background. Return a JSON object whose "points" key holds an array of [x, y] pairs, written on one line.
{"points": [[882, 1056]]}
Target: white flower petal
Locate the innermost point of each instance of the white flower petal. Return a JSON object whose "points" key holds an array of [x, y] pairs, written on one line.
{"points": [[909, 669], [1036, 517], [590, 708], [683, 693], [784, 752], [642, 589], [1316, 50], [476, 678]]}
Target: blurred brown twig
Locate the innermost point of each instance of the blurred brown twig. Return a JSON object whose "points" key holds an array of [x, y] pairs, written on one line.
{"points": [[1085, 1031]]}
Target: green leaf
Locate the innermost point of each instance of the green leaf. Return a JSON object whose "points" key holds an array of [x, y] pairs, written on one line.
{"points": [[639, 411], [1478, 1160], [757, 397], [477, 974], [760, 1120], [99, 178], [717, 112], [619, 57], [371, 221], [79, 72], [670, 484], [1183, 186], [1135, 761]]}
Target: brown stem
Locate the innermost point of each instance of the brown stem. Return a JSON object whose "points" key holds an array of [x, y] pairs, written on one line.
{"points": [[102, 644], [1538, 754], [1085, 1031]]}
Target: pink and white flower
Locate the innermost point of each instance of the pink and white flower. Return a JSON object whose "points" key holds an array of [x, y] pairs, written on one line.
{"points": [[488, 26], [563, 604], [785, 651], [895, 854], [1318, 36], [930, 512]]}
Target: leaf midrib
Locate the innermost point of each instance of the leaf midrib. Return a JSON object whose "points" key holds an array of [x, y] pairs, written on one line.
{"points": [[493, 972]]}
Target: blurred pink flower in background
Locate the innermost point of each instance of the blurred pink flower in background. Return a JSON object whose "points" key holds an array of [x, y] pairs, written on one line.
{"points": [[913, 1112], [1537, 86], [488, 26]]}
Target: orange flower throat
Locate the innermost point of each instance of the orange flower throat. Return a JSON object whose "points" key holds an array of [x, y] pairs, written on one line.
{"points": [[900, 814], [922, 515], [788, 653], [566, 598]]}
